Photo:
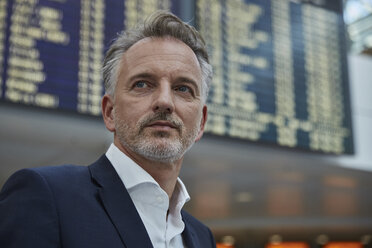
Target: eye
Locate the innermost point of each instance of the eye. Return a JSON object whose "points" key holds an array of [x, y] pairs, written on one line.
{"points": [[184, 89], [140, 84]]}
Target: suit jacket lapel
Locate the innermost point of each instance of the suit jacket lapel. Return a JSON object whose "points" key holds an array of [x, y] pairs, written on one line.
{"points": [[118, 205], [189, 235]]}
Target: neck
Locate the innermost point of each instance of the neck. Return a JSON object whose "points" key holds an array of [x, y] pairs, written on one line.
{"points": [[165, 174]]}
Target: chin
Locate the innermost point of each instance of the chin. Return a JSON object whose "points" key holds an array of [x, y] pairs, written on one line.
{"points": [[161, 134]]}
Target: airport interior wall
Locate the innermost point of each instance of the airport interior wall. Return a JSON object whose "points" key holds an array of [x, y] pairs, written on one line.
{"points": [[241, 188]]}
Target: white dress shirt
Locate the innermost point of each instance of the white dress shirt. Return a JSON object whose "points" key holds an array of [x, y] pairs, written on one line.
{"points": [[151, 201]]}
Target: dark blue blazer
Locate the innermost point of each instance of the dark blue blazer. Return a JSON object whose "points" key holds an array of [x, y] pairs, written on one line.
{"points": [[76, 207]]}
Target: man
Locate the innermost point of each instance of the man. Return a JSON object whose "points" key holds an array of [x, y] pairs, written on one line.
{"points": [[156, 79]]}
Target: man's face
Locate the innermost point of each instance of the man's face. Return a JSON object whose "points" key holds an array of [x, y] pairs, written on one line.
{"points": [[158, 111]]}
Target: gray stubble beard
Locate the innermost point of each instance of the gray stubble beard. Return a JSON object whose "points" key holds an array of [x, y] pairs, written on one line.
{"points": [[164, 150]]}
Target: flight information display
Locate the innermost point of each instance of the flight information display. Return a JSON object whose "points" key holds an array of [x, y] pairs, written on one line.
{"points": [[52, 50], [280, 73]]}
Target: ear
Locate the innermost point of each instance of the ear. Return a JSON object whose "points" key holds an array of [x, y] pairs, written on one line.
{"points": [[108, 112], [202, 123]]}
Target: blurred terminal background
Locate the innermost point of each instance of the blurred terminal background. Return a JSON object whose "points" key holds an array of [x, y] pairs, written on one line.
{"points": [[287, 157]]}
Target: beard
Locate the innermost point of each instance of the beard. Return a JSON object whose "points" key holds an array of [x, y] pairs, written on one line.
{"points": [[160, 146]]}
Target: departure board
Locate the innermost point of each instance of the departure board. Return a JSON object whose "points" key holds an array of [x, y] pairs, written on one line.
{"points": [[52, 50], [280, 72]]}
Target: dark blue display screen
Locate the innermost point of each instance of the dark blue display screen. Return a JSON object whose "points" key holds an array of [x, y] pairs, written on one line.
{"points": [[280, 73]]}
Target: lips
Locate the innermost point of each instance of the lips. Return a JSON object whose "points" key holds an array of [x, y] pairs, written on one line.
{"points": [[162, 125]]}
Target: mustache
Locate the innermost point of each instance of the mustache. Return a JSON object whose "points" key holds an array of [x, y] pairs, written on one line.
{"points": [[160, 116]]}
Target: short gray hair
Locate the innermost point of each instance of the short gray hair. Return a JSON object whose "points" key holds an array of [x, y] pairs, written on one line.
{"points": [[159, 24]]}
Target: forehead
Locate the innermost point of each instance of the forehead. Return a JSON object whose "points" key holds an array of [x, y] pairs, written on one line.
{"points": [[163, 52], [169, 44]]}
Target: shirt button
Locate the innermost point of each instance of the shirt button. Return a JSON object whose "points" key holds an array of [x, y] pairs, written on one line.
{"points": [[159, 199]]}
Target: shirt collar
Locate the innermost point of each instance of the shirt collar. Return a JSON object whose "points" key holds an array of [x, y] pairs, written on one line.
{"points": [[131, 174], [180, 195]]}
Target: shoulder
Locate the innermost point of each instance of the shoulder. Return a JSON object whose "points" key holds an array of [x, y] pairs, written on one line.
{"points": [[51, 173], [34, 179], [28, 206], [59, 170], [61, 173]]}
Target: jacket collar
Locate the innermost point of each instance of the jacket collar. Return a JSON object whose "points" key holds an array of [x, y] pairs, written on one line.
{"points": [[121, 210], [118, 205], [189, 235]]}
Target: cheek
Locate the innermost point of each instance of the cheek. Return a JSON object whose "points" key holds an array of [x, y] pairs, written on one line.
{"points": [[129, 111], [192, 116], [129, 117], [121, 117]]}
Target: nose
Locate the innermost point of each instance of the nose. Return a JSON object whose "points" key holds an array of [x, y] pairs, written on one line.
{"points": [[163, 99]]}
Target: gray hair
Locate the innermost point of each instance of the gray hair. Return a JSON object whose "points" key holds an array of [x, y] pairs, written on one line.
{"points": [[159, 24]]}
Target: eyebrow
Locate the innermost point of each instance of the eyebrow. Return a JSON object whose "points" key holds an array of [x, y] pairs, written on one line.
{"points": [[141, 75]]}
